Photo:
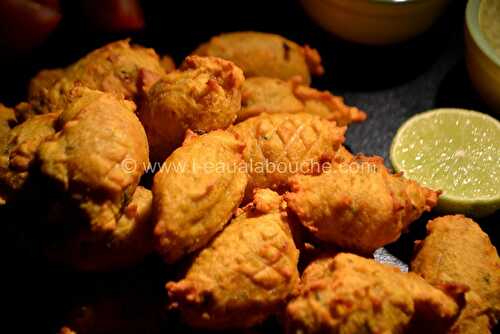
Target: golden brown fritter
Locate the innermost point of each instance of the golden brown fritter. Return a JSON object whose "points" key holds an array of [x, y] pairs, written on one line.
{"points": [[7, 122], [267, 95], [264, 54], [24, 111], [167, 63], [203, 95], [19, 150], [457, 251], [475, 317], [67, 330], [281, 145], [245, 274], [42, 82], [98, 155], [358, 205], [196, 192], [349, 294], [270, 95], [329, 106], [116, 68], [123, 246], [343, 155]]}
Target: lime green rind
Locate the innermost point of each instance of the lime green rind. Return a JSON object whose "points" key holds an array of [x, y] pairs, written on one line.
{"points": [[473, 209], [471, 202]]}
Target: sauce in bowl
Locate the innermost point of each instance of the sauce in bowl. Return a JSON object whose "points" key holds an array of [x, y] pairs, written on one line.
{"points": [[489, 23]]}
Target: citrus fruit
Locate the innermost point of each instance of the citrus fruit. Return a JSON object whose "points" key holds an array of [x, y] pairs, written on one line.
{"points": [[456, 151]]}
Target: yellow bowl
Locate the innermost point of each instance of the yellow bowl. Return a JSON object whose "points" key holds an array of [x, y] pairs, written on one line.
{"points": [[482, 62], [375, 21]]}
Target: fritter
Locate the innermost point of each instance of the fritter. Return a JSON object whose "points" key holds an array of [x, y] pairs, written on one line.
{"points": [[264, 54], [7, 122], [18, 152], [457, 251], [125, 245], [358, 205], [97, 156], [167, 63], [245, 274], [281, 145], [196, 192], [270, 95], [349, 294], [117, 68], [43, 81], [203, 95]]}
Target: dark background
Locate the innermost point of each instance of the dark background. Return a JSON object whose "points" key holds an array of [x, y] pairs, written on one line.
{"points": [[390, 83]]}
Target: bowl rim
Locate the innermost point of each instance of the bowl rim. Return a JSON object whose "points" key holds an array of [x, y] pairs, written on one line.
{"points": [[391, 2], [472, 23], [395, 2]]}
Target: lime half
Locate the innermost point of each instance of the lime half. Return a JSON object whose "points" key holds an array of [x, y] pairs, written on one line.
{"points": [[456, 151]]}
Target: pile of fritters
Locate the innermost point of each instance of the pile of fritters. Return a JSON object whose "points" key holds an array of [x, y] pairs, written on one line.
{"points": [[250, 178]]}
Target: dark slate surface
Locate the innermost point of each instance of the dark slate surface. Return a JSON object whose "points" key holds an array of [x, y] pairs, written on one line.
{"points": [[390, 83]]}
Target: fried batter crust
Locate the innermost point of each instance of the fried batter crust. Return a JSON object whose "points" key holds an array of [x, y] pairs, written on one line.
{"points": [[350, 294], [168, 63], [196, 192], [245, 274], [7, 122], [67, 330], [456, 250], [19, 150], [114, 68], [98, 155], [343, 155], [124, 246], [42, 82], [203, 95], [358, 205], [270, 95], [281, 145], [475, 317], [264, 54]]}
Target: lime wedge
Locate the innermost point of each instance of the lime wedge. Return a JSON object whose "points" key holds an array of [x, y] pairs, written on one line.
{"points": [[456, 151]]}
